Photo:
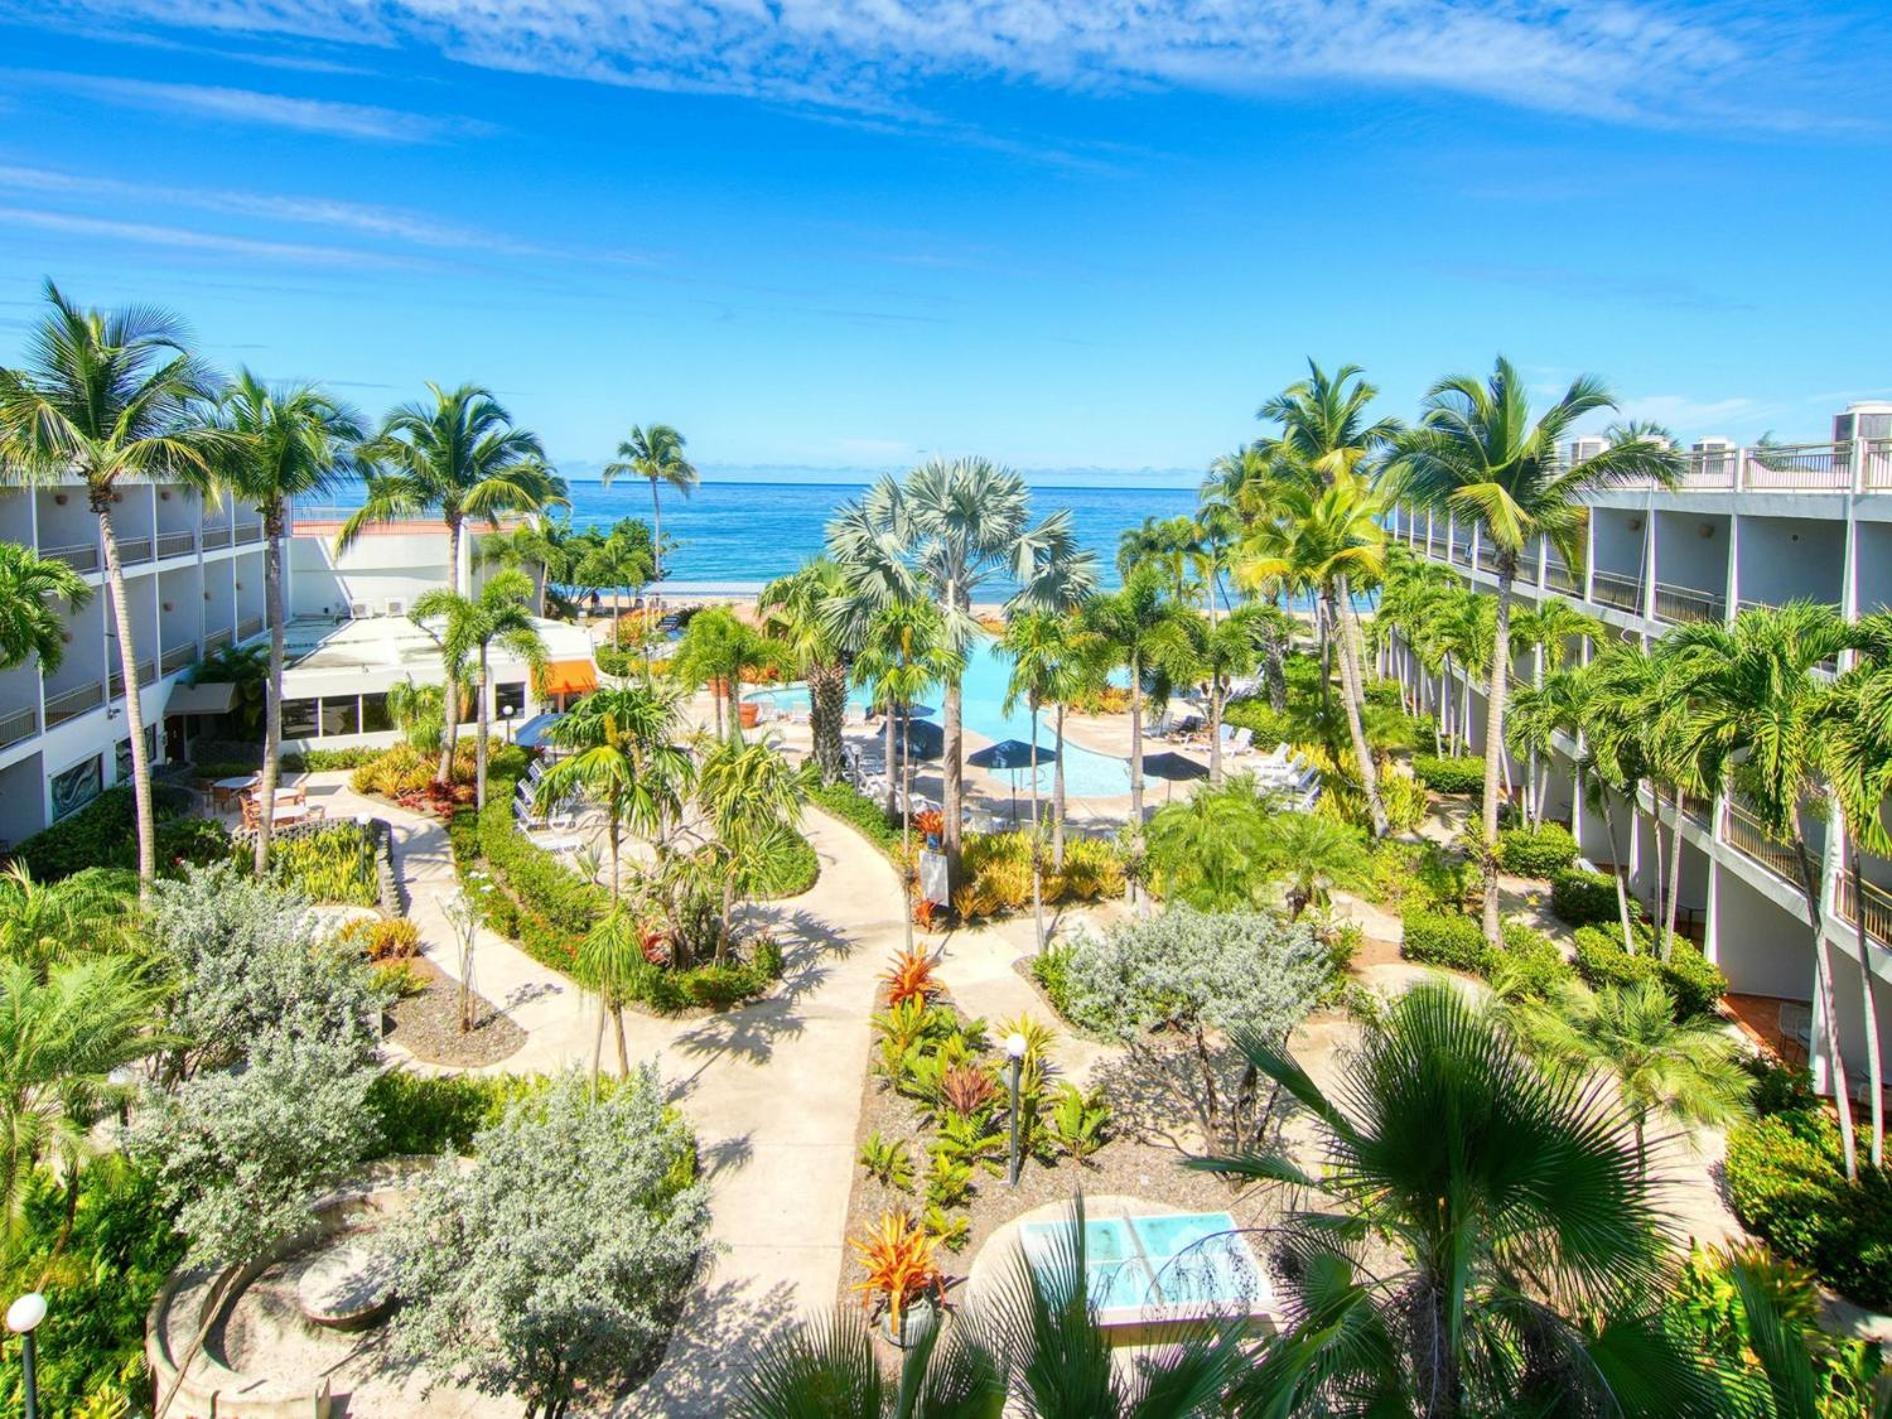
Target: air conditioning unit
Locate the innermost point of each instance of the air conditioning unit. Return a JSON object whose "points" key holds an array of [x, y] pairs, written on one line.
{"points": [[397, 608], [1866, 420], [359, 610], [1585, 448]]}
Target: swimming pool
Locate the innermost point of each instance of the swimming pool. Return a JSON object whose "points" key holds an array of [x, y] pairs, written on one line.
{"points": [[1086, 774], [1142, 1268]]}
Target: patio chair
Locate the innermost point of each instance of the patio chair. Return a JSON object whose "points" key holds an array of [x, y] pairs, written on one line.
{"points": [[563, 817], [1796, 1023], [1242, 741], [526, 814]]}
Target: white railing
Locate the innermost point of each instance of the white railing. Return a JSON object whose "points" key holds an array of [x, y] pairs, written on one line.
{"points": [[70, 704], [1622, 592], [176, 544], [18, 725]]}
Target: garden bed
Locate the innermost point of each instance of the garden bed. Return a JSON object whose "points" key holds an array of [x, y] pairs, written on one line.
{"points": [[427, 1024]]}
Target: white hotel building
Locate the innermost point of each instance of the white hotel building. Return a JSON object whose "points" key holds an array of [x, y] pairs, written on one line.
{"points": [[1747, 526], [194, 580]]}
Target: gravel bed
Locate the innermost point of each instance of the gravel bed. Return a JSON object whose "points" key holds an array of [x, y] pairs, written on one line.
{"points": [[428, 1025]]}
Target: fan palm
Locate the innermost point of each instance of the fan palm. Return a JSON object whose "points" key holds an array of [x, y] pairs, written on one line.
{"points": [[941, 533], [1754, 715], [752, 797], [30, 625], [1685, 1069], [1529, 1253], [811, 614], [107, 398], [62, 1034], [295, 443], [1329, 542], [1311, 854], [654, 452], [1480, 456], [470, 628], [623, 755]]}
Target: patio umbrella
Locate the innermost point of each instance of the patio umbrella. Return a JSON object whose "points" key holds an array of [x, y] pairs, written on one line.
{"points": [[923, 738], [1172, 768], [532, 734], [1008, 756]]}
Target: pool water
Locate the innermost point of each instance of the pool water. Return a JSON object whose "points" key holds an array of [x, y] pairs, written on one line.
{"points": [[1192, 1260], [1086, 774]]}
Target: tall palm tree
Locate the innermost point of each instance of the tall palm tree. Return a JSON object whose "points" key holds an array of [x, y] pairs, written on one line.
{"points": [[942, 532], [296, 443], [623, 754], [1754, 715], [1528, 1251], [1538, 713], [610, 960], [1225, 649], [1479, 454], [1311, 854], [720, 649], [1330, 542], [1048, 668], [460, 457], [1688, 1070], [1618, 757], [1175, 546], [30, 624], [107, 398], [470, 628], [545, 548], [654, 452], [752, 797], [1543, 633], [62, 1034], [1142, 631], [813, 616]]}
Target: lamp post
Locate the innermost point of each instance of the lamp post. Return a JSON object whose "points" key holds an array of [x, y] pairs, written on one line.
{"points": [[1015, 1047], [505, 718], [23, 1318]]}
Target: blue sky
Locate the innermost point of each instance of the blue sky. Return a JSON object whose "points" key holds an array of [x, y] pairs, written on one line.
{"points": [[1064, 233]]}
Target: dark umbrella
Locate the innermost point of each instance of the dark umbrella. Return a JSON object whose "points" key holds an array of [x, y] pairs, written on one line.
{"points": [[1173, 768], [923, 738], [1009, 756]]}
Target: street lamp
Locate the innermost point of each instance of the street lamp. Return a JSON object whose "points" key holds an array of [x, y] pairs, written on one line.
{"points": [[505, 718], [23, 1318], [1015, 1047]]}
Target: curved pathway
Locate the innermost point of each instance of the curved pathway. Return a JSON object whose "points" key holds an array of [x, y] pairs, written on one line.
{"points": [[772, 1089]]}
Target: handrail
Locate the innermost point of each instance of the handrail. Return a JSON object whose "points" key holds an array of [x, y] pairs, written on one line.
{"points": [[216, 538], [69, 704], [1747, 834], [1614, 589], [177, 657], [176, 544], [133, 549], [249, 626], [249, 532], [1686, 603], [1878, 906], [215, 642], [21, 724], [81, 557]]}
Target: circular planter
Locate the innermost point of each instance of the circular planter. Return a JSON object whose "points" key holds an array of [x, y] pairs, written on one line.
{"points": [[915, 1321]]}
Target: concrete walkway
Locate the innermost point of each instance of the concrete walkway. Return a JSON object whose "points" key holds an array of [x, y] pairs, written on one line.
{"points": [[772, 1089]]}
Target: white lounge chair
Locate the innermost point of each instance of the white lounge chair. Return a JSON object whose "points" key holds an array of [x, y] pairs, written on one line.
{"points": [[1242, 741]]}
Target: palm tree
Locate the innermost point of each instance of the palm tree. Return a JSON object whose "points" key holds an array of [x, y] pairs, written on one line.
{"points": [[1329, 541], [1685, 1069], [1543, 632], [471, 627], [1209, 850], [1538, 713], [1854, 725], [1048, 668], [624, 560], [419, 712], [623, 755], [1173, 545], [942, 533], [1224, 649], [43, 923], [1528, 1252], [752, 797], [106, 398], [459, 457], [1142, 631], [1479, 455], [655, 452], [295, 443], [62, 1034], [1312, 854], [546, 550], [719, 649], [30, 625], [1754, 715], [1617, 758], [811, 614], [610, 960]]}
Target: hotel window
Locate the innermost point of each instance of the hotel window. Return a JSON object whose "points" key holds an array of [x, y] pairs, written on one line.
{"points": [[341, 714], [375, 718], [300, 718], [509, 696]]}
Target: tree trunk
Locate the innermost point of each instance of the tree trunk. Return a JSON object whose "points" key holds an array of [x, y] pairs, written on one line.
{"points": [[1356, 730], [1136, 746], [272, 701], [481, 726], [1037, 855], [1875, 1081], [1057, 793], [1494, 748], [1532, 813], [450, 699], [729, 911], [893, 763], [1616, 871], [1215, 731], [134, 702], [953, 772], [1675, 873], [656, 534], [827, 711], [611, 838], [624, 1055], [1829, 1008]]}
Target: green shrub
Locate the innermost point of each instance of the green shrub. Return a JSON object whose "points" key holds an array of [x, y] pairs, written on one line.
{"points": [[1461, 775], [619, 662], [1445, 939], [331, 864], [865, 815], [1787, 1184], [796, 872], [315, 761], [1695, 982], [1269, 725], [1051, 968], [1581, 898], [1092, 872], [196, 842], [1536, 965], [440, 1114], [1536, 852], [104, 833]]}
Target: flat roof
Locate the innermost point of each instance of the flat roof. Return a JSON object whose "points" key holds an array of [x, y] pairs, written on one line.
{"points": [[384, 644]]}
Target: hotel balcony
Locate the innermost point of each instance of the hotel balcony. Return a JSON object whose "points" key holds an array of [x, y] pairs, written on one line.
{"points": [[177, 658], [1683, 604], [81, 557], [1859, 466], [70, 704], [247, 533], [1613, 589], [147, 676], [176, 544], [216, 538]]}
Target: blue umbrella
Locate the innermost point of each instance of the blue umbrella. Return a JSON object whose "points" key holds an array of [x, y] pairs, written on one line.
{"points": [[1009, 756]]}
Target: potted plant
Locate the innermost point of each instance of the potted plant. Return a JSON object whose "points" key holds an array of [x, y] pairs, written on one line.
{"points": [[903, 1275]]}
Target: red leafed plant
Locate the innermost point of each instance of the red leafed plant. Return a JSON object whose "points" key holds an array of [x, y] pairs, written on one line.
{"points": [[929, 823], [909, 976], [965, 1089], [928, 915]]}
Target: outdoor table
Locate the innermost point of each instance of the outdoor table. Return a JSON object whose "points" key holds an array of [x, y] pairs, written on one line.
{"points": [[225, 789]]}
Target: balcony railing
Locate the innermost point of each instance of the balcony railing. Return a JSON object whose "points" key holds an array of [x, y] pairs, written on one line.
{"points": [[147, 675], [1712, 468], [1820, 467], [1876, 464], [132, 550], [82, 557], [1622, 592], [1745, 832], [176, 658], [176, 544], [1700, 809], [1802, 467], [1559, 577], [249, 532], [215, 538], [70, 704], [249, 626], [1459, 553], [215, 642], [17, 725], [1685, 603], [1878, 906], [1487, 559]]}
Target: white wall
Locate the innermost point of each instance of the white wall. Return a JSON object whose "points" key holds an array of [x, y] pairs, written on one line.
{"points": [[383, 566]]}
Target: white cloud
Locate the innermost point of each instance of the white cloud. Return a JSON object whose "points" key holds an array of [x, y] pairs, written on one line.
{"points": [[1627, 59], [342, 120], [184, 238]]}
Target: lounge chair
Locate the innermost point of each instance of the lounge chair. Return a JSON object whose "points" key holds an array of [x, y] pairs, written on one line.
{"points": [[1242, 741], [1160, 728]]}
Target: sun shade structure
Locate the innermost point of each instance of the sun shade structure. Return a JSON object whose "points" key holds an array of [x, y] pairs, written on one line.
{"points": [[1010, 756], [570, 677]]}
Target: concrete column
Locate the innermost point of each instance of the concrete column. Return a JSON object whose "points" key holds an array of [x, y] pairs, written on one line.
{"points": [[1733, 597], [1710, 938], [1649, 551]]}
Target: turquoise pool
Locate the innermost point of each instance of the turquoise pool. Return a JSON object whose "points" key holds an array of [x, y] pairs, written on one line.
{"points": [[1157, 1267], [1086, 774]]}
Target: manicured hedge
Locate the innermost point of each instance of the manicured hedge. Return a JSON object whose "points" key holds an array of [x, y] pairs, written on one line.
{"points": [[859, 812], [1694, 981], [1582, 898], [1536, 852], [1445, 939], [104, 833], [1786, 1182], [1537, 964], [1461, 775]]}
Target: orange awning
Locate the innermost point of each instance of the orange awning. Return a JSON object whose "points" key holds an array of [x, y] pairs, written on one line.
{"points": [[570, 677]]}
